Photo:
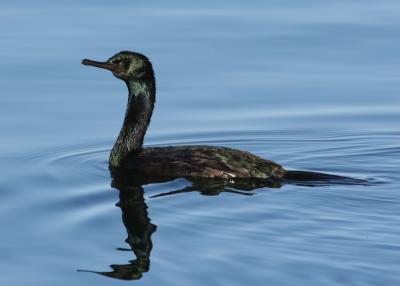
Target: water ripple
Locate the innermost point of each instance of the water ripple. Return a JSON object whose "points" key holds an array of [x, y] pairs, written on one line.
{"points": [[286, 222]]}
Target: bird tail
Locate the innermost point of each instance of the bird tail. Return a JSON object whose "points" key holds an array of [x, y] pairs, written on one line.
{"points": [[316, 178]]}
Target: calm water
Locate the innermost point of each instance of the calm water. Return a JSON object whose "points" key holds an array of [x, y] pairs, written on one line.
{"points": [[313, 85]]}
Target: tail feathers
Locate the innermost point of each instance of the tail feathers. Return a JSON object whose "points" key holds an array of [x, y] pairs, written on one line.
{"points": [[315, 178]]}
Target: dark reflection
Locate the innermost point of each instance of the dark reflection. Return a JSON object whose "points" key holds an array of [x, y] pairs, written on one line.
{"points": [[137, 223], [139, 229], [212, 187]]}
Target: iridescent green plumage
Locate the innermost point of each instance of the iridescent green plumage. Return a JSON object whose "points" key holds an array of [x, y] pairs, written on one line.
{"points": [[185, 161], [204, 162]]}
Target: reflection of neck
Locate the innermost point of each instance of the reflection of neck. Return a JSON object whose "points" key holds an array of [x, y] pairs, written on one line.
{"points": [[139, 229], [137, 223], [137, 118]]}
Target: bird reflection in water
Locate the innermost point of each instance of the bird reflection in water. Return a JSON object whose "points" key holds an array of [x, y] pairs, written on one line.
{"points": [[138, 226], [137, 222]]}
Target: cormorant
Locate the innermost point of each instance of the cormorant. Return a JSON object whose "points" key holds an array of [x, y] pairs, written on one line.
{"points": [[191, 162]]}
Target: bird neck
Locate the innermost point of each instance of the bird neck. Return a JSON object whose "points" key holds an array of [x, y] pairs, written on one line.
{"points": [[137, 118]]}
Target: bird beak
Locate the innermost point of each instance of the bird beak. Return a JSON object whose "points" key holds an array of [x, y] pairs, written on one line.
{"points": [[103, 65]]}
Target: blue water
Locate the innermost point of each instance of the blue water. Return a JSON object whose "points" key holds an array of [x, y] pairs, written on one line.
{"points": [[313, 85]]}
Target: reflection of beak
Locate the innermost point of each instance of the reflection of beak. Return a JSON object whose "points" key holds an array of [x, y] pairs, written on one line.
{"points": [[103, 65]]}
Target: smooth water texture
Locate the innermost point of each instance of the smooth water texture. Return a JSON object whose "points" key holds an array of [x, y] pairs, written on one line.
{"points": [[313, 85]]}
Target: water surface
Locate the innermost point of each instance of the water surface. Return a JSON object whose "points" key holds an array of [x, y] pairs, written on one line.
{"points": [[311, 85]]}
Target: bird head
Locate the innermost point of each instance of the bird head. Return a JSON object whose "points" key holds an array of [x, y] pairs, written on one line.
{"points": [[127, 66]]}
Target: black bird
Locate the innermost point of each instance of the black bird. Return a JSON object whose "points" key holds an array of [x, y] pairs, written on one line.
{"points": [[191, 162]]}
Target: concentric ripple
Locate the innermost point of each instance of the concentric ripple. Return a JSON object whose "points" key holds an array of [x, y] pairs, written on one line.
{"points": [[72, 206], [89, 159], [339, 154]]}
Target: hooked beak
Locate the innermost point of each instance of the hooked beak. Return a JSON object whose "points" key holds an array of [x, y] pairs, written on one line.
{"points": [[103, 65]]}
